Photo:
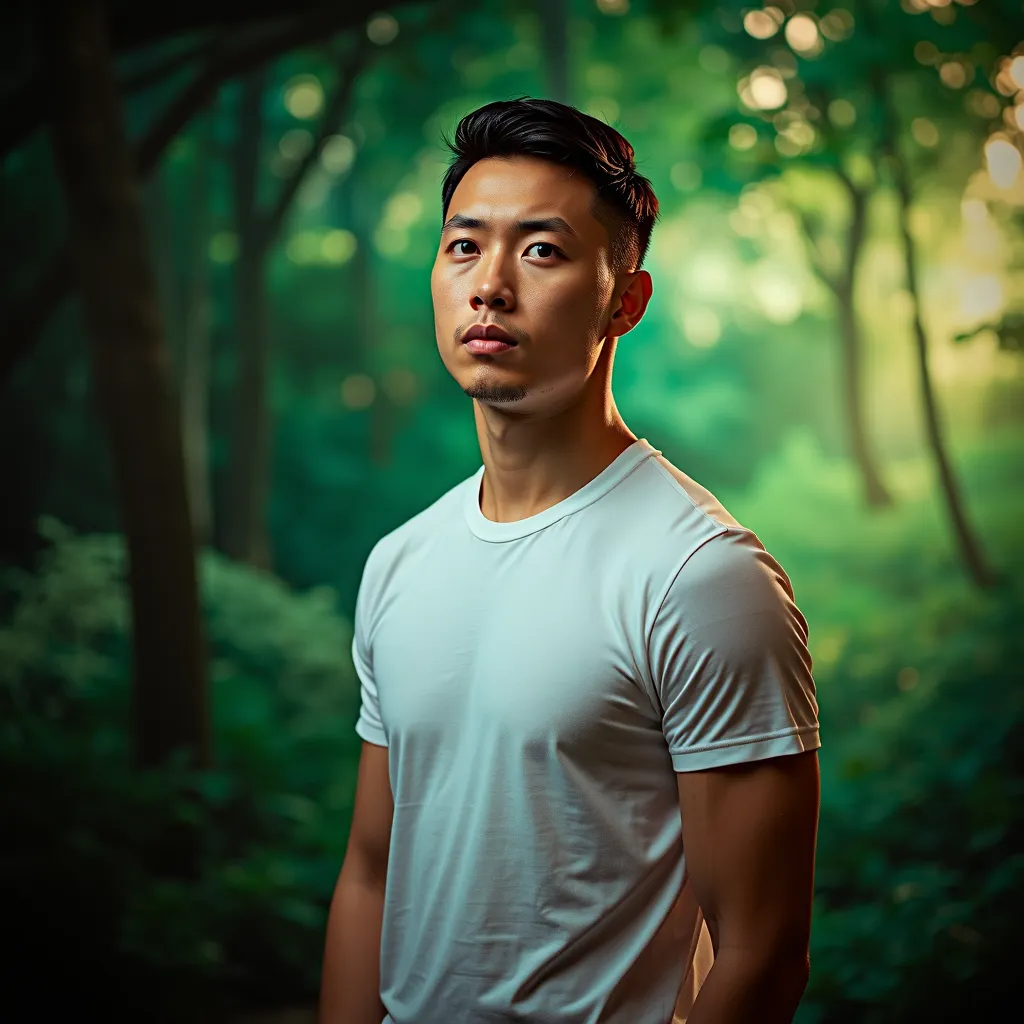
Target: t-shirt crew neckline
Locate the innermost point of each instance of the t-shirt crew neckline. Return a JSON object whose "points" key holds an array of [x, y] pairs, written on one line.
{"points": [[612, 475]]}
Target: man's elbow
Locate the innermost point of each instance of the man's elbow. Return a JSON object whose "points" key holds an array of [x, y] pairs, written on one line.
{"points": [[794, 973], [785, 979], [782, 970]]}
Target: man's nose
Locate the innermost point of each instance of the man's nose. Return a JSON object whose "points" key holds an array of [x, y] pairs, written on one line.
{"points": [[493, 290]]}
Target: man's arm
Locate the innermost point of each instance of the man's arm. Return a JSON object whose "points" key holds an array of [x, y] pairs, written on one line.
{"points": [[749, 834], [350, 983]]}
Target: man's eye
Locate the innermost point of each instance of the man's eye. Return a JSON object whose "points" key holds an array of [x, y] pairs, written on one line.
{"points": [[457, 247], [545, 250]]}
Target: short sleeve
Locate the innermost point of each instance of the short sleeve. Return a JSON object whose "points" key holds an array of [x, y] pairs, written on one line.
{"points": [[729, 659], [369, 725]]}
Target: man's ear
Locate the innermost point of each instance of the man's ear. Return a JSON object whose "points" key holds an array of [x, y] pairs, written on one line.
{"points": [[633, 296]]}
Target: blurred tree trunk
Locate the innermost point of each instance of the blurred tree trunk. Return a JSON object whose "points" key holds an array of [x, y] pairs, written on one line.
{"points": [[159, 219], [843, 287], [195, 342], [368, 329], [25, 316], [133, 382], [185, 314], [554, 21], [245, 527], [967, 543], [246, 536]]}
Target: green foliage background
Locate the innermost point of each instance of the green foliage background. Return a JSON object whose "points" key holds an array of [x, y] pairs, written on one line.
{"points": [[211, 889]]}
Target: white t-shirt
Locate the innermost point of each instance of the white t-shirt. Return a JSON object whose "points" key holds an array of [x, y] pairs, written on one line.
{"points": [[538, 684]]}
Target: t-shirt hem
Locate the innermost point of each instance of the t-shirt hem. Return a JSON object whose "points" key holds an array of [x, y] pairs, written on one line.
{"points": [[371, 733], [740, 751]]}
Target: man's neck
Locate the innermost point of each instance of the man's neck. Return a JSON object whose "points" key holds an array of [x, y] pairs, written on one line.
{"points": [[531, 465]]}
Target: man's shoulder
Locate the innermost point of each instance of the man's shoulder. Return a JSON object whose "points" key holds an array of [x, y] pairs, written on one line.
{"points": [[670, 515], [679, 491], [706, 555]]}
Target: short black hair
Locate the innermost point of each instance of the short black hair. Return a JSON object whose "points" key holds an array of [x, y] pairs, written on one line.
{"points": [[552, 131]]}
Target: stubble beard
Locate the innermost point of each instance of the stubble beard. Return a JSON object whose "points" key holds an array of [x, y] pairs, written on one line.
{"points": [[493, 393]]}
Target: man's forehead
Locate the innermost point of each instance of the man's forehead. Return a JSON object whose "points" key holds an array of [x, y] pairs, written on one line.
{"points": [[511, 190]]}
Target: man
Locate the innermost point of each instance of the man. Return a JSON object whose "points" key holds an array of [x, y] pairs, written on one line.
{"points": [[588, 716]]}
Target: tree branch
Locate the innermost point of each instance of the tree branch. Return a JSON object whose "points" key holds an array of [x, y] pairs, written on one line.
{"points": [[348, 71], [25, 318], [144, 78], [28, 113], [814, 254], [843, 175]]}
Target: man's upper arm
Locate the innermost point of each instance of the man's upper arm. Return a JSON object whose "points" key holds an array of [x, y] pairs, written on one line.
{"points": [[369, 841], [749, 833], [729, 660]]}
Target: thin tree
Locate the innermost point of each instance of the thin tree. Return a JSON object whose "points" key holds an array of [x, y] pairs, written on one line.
{"points": [[194, 364], [133, 381], [246, 537], [842, 283], [967, 542]]}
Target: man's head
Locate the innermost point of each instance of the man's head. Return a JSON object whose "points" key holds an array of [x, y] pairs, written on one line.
{"points": [[546, 223]]}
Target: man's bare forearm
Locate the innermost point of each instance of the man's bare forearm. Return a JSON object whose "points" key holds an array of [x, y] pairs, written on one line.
{"points": [[740, 989], [350, 985]]}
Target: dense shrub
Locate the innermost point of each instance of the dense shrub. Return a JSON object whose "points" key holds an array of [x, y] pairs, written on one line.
{"points": [[920, 884], [920, 874], [145, 895]]}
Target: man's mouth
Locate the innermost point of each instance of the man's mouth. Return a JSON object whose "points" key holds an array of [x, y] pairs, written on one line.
{"points": [[487, 332], [487, 340]]}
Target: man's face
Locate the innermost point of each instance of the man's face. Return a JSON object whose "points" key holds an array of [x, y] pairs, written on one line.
{"points": [[523, 251]]}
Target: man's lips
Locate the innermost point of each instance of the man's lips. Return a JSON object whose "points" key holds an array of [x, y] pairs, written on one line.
{"points": [[487, 339], [488, 332]]}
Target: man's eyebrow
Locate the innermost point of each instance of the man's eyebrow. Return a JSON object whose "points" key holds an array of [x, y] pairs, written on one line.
{"points": [[460, 220], [554, 224]]}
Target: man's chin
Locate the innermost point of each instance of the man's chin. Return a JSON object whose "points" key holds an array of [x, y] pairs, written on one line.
{"points": [[495, 393]]}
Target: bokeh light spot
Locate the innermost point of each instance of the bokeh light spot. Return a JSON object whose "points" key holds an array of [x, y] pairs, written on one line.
{"points": [[401, 385], [382, 29], [760, 24], [358, 391], [982, 297], [702, 327], [764, 90], [338, 154], [924, 131], [1016, 72], [842, 113], [1003, 160], [338, 246], [982, 104], [742, 136], [303, 97], [685, 176], [836, 25], [304, 247], [802, 34], [224, 247], [953, 74]]}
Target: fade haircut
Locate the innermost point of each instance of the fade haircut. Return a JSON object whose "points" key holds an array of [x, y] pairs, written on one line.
{"points": [[625, 201]]}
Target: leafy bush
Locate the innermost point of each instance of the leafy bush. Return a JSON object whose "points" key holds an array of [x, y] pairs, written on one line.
{"points": [[146, 895], [920, 878], [920, 881]]}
